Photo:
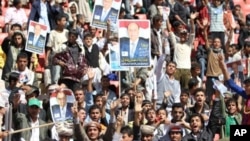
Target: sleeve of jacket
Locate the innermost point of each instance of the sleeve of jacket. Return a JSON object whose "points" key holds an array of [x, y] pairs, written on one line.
{"points": [[216, 118], [110, 132], [79, 133], [33, 12]]}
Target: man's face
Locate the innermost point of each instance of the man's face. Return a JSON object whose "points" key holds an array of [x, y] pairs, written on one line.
{"points": [[99, 101], [133, 31], [177, 113], [216, 2], [62, 22], [105, 82], [18, 40], [72, 38], [217, 43], [230, 52], [82, 115], [184, 98], [107, 4], [22, 63], [175, 136], [95, 115], [171, 68], [80, 97], [196, 124], [73, 9], [33, 111], [37, 29], [88, 41], [147, 137], [232, 108], [61, 98], [126, 137], [151, 116], [125, 101], [200, 98]]}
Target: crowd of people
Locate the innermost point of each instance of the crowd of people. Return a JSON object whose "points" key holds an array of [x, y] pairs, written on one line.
{"points": [[196, 87]]}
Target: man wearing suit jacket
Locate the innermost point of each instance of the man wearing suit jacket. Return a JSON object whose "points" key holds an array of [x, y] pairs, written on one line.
{"points": [[63, 110], [35, 38], [134, 47], [22, 121], [105, 12]]}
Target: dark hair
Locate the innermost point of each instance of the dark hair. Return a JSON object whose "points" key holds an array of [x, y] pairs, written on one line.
{"points": [[151, 109], [144, 102], [16, 25], [177, 105], [192, 82], [18, 33], [78, 89], [60, 16], [13, 76], [22, 55], [231, 100], [74, 32], [98, 95], [105, 77], [162, 109], [125, 94], [94, 107], [16, 2], [171, 62], [197, 115], [81, 108], [127, 130], [157, 18], [247, 80], [195, 65], [87, 35], [185, 91], [198, 90]]}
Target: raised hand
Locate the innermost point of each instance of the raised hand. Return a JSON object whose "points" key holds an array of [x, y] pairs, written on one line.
{"points": [[74, 110], [90, 73], [194, 15], [138, 104], [167, 94], [114, 105]]}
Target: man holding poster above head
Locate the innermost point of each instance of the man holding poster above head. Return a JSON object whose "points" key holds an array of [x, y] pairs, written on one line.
{"points": [[134, 49], [104, 11]]}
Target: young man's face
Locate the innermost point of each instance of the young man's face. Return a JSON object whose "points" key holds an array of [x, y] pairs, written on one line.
{"points": [[62, 22], [88, 41], [80, 97], [183, 37], [196, 71], [125, 101], [18, 40], [177, 113], [200, 98], [196, 124], [151, 116], [126, 137], [161, 114], [99, 101], [95, 115], [33, 111], [232, 108], [175, 136], [72, 38], [184, 98], [217, 43], [147, 137], [171, 68], [22, 63], [82, 115]]}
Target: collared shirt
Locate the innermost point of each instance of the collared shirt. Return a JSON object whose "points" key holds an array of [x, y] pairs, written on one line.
{"points": [[104, 14], [43, 19], [132, 47], [125, 117], [35, 131], [14, 15]]}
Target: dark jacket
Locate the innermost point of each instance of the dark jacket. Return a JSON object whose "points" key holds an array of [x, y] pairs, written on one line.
{"points": [[52, 11], [72, 70], [204, 135], [244, 34]]}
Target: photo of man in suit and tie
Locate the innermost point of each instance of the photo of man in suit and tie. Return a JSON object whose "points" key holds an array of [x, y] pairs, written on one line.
{"points": [[62, 111], [105, 11], [36, 39], [134, 49]]}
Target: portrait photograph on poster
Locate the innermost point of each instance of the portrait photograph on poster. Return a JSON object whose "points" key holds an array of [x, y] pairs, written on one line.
{"points": [[36, 38], [134, 40], [105, 10], [61, 102]]}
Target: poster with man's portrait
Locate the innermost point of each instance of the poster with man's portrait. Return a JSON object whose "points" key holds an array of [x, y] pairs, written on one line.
{"points": [[105, 10], [36, 38], [61, 102], [134, 39]]}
